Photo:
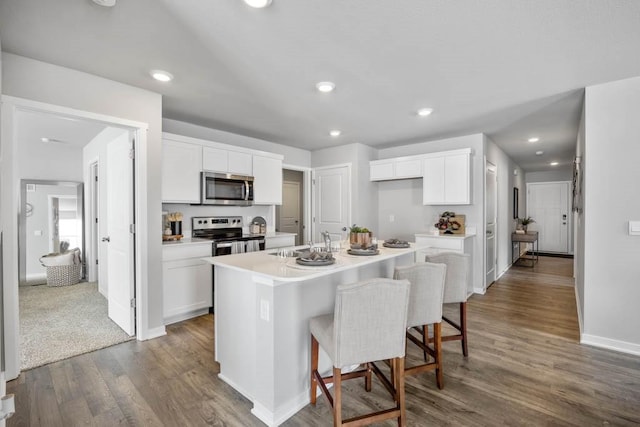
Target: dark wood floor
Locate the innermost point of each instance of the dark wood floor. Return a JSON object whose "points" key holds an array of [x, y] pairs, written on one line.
{"points": [[525, 368]]}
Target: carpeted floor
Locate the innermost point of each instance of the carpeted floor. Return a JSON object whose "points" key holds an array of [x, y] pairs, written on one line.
{"points": [[60, 322]]}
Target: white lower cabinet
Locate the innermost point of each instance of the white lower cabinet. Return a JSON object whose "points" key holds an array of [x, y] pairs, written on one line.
{"points": [[187, 281], [272, 242]]}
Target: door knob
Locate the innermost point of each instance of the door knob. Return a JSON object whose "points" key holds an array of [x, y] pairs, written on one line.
{"points": [[106, 239]]}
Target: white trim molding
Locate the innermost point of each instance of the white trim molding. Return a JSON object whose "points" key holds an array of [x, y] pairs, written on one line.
{"points": [[610, 344]]}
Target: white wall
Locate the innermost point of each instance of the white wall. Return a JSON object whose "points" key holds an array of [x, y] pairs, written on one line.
{"points": [[611, 268], [506, 182], [403, 198], [292, 156], [39, 81], [579, 229], [3, 385], [563, 173]]}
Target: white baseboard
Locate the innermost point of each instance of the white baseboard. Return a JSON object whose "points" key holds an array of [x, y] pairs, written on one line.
{"points": [[608, 343], [185, 316], [150, 334], [273, 419]]}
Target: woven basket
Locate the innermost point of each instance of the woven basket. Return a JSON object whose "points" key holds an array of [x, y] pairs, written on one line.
{"points": [[63, 275]]}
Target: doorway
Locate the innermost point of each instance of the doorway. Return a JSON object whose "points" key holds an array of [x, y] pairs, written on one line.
{"points": [[62, 158], [289, 216], [548, 205]]}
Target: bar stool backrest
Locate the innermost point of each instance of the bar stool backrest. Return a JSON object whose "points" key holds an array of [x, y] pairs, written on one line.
{"points": [[457, 279], [426, 293], [370, 321]]}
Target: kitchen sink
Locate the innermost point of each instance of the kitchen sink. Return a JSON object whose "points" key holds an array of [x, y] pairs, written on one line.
{"points": [[294, 254]]}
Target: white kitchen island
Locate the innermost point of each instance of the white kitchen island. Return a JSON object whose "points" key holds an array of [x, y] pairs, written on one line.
{"points": [[262, 310]]}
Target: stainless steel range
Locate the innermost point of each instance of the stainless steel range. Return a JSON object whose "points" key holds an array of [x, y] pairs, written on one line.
{"points": [[225, 232]]}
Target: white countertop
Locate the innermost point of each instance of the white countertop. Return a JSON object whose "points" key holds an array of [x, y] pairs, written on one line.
{"points": [[186, 241], [272, 268]]}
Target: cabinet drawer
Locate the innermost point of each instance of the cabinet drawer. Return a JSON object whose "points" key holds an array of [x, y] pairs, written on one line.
{"points": [[441, 243], [176, 252]]}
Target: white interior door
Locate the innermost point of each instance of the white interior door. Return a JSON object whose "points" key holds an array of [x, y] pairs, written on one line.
{"points": [[491, 205], [291, 210], [332, 201], [120, 245], [548, 205]]}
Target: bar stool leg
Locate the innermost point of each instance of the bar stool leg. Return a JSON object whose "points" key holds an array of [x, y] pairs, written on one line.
{"points": [[314, 368], [437, 349], [463, 326], [425, 340], [337, 396], [402, 419]]}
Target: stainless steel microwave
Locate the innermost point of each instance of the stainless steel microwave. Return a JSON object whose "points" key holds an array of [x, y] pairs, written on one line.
{"points": [[226, 189]]}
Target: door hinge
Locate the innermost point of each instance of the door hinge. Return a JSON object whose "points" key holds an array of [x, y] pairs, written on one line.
{"points": [[133, 302], [96, 220], [96, 262], [96, 178], [132, 153], [132, 228], [313, 181]]}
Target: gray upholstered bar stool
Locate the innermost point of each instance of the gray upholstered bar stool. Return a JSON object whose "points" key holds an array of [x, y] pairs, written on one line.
{"points": [[368, 324], [455, 291], [425, 308]]}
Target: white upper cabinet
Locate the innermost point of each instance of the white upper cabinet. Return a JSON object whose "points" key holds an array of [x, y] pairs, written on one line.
{"points": [[225, 161], [267, 184], [396, 168], [181, 167], [447, 178], [240, 163]]}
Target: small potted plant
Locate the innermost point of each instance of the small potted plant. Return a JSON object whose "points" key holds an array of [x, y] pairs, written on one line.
{"points": [[359, 236], [525, 222]]}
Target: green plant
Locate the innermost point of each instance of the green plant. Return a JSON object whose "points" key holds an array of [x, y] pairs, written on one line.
{"points": [[355, 229], [526, 220]]}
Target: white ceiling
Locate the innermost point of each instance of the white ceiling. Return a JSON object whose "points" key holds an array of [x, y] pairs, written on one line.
{"points": [[510, 69], [66, 133]]}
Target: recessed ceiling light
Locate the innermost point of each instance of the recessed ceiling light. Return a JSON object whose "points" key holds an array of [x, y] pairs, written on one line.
{"points": [[554, 163], [335, 133], [325, 87], [161, 76], [258, 4], [534, 139], [539, 153], [424, 112], [106, 3], [52, 141]]}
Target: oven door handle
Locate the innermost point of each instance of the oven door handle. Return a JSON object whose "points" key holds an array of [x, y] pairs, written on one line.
{"points": [[223, 245]]}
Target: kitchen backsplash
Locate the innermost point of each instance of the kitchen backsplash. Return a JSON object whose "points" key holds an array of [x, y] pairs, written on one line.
{"points": [[246, 212]]}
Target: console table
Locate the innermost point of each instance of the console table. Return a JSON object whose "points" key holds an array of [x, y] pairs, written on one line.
{"points": [[528, 237]]}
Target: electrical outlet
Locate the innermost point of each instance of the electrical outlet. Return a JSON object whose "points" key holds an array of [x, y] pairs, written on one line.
{"points": [[264, 309], [392, 218]]}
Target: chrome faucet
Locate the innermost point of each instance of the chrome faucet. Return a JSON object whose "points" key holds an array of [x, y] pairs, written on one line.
{"points": [[327, 241]]}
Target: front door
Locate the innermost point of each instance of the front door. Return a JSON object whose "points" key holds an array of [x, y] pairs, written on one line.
{"points": [[120, 242], [548, 205], [332, 201]]}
